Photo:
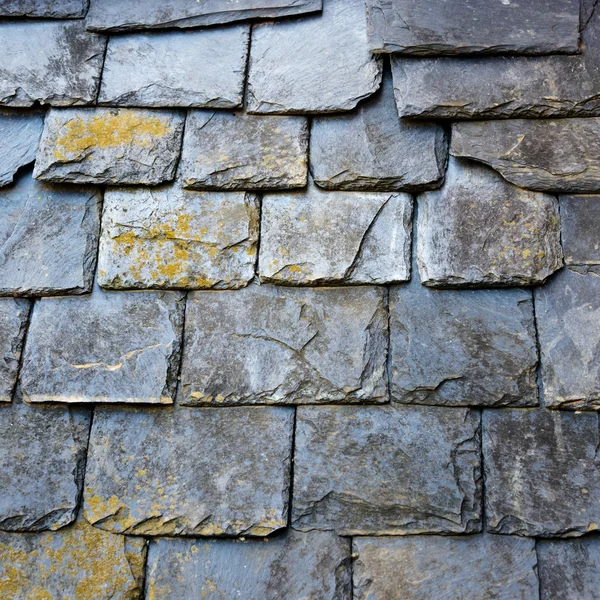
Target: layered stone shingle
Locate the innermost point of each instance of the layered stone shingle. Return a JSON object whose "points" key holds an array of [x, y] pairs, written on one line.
{"points": [[20, 133], [13, 323], [580, 221], [47, 9]]}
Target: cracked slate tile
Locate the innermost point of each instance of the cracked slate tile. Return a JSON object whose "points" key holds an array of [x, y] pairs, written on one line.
{"points": [[169, 237], [105, 347], [542, 472], [189, 472], [313, 565], [296, 66], [200, 68], [580, 221], [285, 346], [481, 567], [13, 322], [479, 230], [110, 145], [387, 470], [47, 9]]}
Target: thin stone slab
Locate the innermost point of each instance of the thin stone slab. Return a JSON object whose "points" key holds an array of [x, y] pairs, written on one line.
{"points": [[542, 472], [479, 230], [297, 66], [387, 470], [105, 347], [312, 565], [580, 220], [285, 346], [57, 63], [13, 322], [190, 472], [153, 69], [47, 9], [169, 237], [240, 152], [110, 145], [320, 237]]}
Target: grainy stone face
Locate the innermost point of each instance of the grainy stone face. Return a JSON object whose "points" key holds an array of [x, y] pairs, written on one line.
{"points": [[238, 151], [285, 346], [13, 322], [48, 62], [197, 472], [320, 237], [387, 470], [482, 567], [168, 237], [479, 230], [296, 66], [580, 221], [542, 473], [110, 145], [106, 347], [312, 565], [153, 69], [48, 9]]}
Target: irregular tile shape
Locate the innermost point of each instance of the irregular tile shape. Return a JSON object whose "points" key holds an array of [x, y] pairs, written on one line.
{"points": [[580, 222], [240, 152], [316, 237], [285, 346], [173, 238], [154, 69], [296, 66], [49, 62], [13, 322], [479, 230], [106, 347], [482, 567], [387, 470], [312, 565], [568, 320], [48, 238], [48, 9], [198, 472], [542, 472], [110, 145]]}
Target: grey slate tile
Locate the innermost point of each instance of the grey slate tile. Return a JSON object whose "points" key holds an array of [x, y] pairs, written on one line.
{"points": [[48, 9], [13, 322], [580, 221]]}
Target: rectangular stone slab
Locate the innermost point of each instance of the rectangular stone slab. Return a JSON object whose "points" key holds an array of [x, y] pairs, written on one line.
{"points": [[13, 322], [580, 220], [190, 472], [47, 9]]}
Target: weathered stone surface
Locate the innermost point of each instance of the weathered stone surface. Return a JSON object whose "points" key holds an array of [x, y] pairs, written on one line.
{"points": [[312, 565], [79, 562], [373, 149], [110, 145], [480, 230], [317, 237], [285, 346], [48, 9], [106, 347], [482, 567], [154, 69], [387, 470], [48, 238], [568, 319], [580, 221], [49, 62], [189, 471], [297, 66], [542, 472], [238, 151], [13, 321], [173, 238]]}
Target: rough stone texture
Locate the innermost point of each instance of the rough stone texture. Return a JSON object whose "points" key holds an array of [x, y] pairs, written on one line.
{"points": [[79, 562], [568, 319], [106, 347], [387, 470], [296, 66], [373, 149], [479, 230], [199, 472], [173, 238], [482, 567], [48, 9], [285, 346], [542, 472], [300, 565], [316, 237], [238, 151], [110, 145], [48, 238], [580, 221], [154, 69], [53, 63], [13, 322]]}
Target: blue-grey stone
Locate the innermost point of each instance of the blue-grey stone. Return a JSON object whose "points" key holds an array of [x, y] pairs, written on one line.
{"points": [[580, 221], [47, 9], [13, 322]]}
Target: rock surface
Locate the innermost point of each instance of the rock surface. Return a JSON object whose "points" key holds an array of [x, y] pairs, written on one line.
{"points": [[20, 133], [580, 222], [285, 346], [13, 322], [48, 9], [198, 472]]}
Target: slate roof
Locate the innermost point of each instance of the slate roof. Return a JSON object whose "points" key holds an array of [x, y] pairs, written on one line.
{"points": [[300, 299]]}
